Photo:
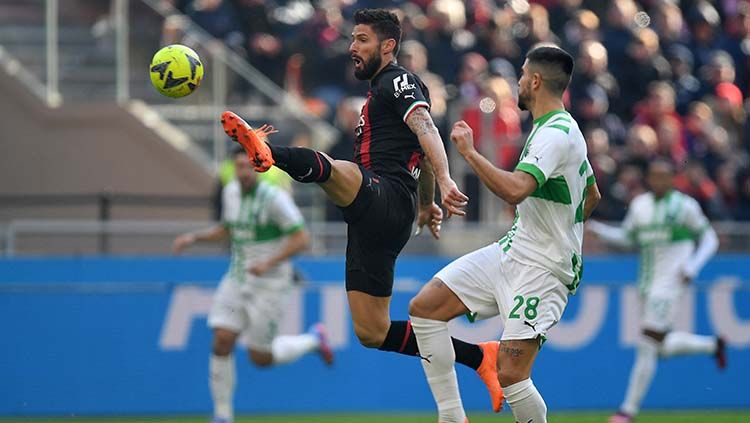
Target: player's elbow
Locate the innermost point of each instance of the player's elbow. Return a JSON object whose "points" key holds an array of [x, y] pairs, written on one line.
{"points": [[516, 194]]}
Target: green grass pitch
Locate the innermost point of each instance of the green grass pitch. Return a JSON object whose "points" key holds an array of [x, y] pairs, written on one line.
{"points": [[505, 417]]}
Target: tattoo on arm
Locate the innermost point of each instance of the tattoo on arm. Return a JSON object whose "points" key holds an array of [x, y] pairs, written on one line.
{"points": [[420, 122], [512, 351]]}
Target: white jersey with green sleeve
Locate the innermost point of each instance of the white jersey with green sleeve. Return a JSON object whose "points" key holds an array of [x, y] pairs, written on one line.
{"points": [[258, 223], [548, 228], [664, 230]]}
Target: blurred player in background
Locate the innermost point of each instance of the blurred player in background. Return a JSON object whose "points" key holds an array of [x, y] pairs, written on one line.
{"points": [[665, 225], [527, 276], [266, 229], [378, 192]]}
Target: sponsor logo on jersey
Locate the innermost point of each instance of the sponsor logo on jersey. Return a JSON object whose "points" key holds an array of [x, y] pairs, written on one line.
{"points": [[360, 126], [401, 84]]}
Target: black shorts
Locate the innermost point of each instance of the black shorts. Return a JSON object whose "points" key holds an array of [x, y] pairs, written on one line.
{"points": [[379, 224]]}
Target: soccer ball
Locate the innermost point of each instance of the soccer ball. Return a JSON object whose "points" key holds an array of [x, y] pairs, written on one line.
{"points": [[176, 71]]}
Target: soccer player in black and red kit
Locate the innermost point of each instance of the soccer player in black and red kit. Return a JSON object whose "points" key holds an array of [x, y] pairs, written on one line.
{"points": [[399, 156]]}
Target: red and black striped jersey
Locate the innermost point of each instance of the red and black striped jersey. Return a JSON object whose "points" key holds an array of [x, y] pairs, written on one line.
{"points": [[384, 143]]}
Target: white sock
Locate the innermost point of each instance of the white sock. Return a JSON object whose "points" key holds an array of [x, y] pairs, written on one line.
{"points": [[286, 349], [435, 345], [641, 375], [526, 403], [221, 381], [683, 343]]}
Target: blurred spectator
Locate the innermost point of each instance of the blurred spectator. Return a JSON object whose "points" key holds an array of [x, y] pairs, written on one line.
{"points": [[641, 146], [694, 181], [669, 24], [704, 24], [737, 43], [413, 56], [687, 86], [618, 35], [659, 107], [729, 112], [591, 68], [217, 17], [583, 27], [720, 68], [646, 65]]}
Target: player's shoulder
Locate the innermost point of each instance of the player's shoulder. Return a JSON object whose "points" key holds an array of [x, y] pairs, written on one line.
{"points": [[688, 202], [394, 78], [641, 199]]}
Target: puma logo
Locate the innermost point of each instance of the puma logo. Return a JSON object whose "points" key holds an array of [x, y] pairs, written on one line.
{"points": [[427, 359], [309, 172], [410, 95], [526, 322]]}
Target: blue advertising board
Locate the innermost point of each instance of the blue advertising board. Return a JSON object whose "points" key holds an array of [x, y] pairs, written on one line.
{"points": [[129, 336]]}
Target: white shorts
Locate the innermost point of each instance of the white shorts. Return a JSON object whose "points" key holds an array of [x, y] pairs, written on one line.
{"points": [[253, 312], [490, 283], [661, 305]]}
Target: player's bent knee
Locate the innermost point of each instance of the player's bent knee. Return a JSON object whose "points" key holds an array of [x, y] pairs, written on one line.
{"points": [[369, 337], [260, 358], [508, 375], [416, 307], [222, 346]]}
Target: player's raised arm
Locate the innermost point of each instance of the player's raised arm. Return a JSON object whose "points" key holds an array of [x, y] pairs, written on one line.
{"points": [[421, 124], [512, 187]]}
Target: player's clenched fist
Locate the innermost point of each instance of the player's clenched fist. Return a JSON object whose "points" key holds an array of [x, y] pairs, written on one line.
{"points": [[463, 137]]}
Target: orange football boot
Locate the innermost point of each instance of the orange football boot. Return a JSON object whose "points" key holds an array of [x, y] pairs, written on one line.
{"points": [[488, 373], [252, 140]]}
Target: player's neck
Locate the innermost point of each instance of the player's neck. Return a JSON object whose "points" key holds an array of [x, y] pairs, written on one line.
{"points": [[385, 64], [544, 105]]}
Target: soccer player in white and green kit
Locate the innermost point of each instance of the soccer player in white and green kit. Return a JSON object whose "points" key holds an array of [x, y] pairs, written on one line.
{"points": [[527, 276], [675, 241], [266, 229]]}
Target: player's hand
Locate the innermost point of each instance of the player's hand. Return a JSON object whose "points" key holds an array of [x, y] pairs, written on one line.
{"points": [[181, 242], [463, 137], [432, 216], [259, 269], [453, 200]]}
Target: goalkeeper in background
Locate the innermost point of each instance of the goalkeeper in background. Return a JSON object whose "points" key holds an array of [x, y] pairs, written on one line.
{"points": [[675, 241], [266, 229]]}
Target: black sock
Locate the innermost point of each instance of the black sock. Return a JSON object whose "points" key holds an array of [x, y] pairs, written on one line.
{"points": [[401, 339], [469, 355], [302, 164]]}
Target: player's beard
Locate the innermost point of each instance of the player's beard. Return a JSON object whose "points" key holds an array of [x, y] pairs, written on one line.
{"points": [[523, 101], [369, 67]]}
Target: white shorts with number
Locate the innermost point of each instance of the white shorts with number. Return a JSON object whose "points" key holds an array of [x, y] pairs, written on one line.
{"points": [[660, 306], [255, 313], [490, 283]]}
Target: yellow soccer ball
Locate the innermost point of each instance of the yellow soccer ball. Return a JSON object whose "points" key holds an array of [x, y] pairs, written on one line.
{"points": [[176, 71]]}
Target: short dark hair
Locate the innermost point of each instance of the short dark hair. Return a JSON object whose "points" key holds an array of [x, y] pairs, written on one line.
{"points": [[383, 22], [559, 64]]}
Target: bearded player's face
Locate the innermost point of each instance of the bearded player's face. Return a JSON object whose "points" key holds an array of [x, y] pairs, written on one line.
{"points": [[524, 88], [365, 52]]}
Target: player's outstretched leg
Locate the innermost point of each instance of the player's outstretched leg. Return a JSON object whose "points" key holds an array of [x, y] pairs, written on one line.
{"points": [[302, 164], [684, 343], [288, 348], [222, 375], [434, 306], [641, 375]]}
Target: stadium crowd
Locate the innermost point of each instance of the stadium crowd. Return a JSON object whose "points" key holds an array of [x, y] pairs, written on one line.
{"points": [[654, 78]]}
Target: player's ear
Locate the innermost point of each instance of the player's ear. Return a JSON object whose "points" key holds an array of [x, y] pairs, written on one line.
{"points": [[388, 46], [536, 80]]}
